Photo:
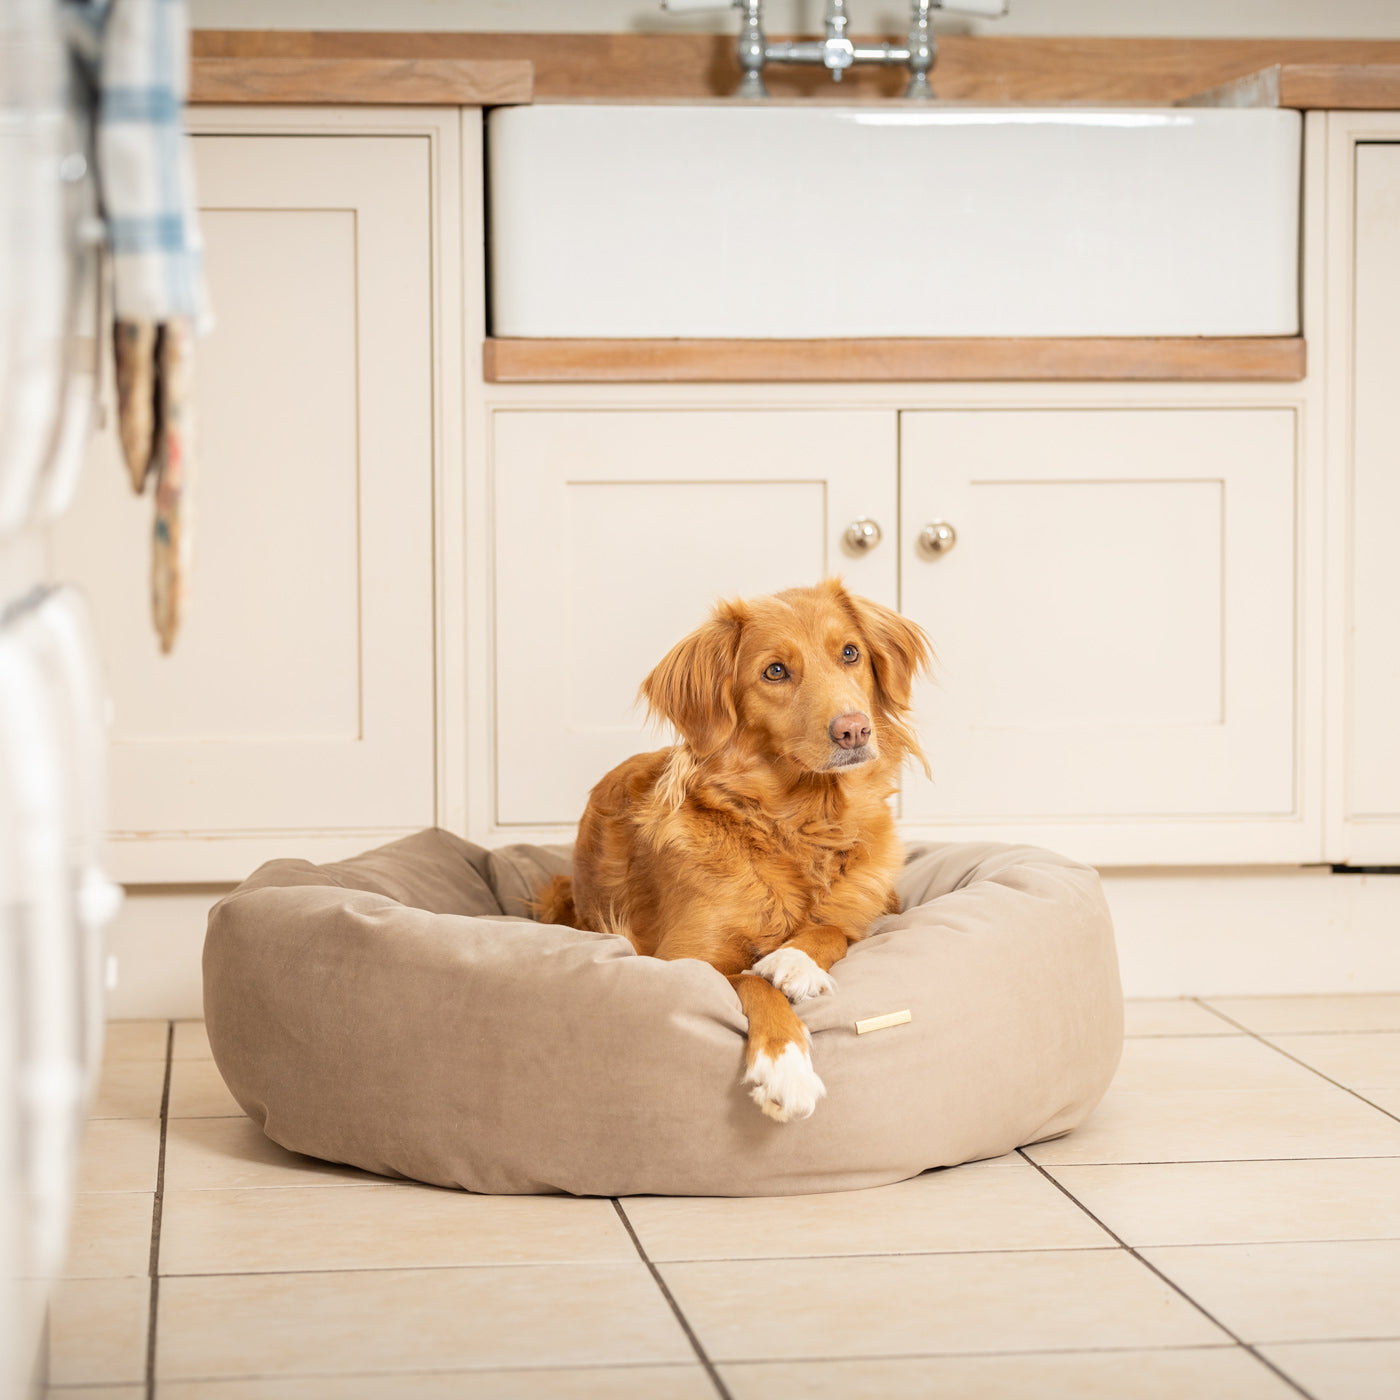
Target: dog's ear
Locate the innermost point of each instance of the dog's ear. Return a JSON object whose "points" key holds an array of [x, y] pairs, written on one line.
{"points": [[693, 686]]}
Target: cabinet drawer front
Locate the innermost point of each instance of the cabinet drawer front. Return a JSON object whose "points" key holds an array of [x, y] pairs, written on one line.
{"points": [[1116, 622], [300, 692], [614, 532]]}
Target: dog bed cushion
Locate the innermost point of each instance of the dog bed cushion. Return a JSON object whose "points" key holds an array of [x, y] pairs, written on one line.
{"points": [[400, 1012]]}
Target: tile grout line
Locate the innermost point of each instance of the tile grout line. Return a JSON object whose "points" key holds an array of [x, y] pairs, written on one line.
{"points": [[154, 1266], [1312, 1069], [1207, 1007], [1171, 1283], [720, 1388]]}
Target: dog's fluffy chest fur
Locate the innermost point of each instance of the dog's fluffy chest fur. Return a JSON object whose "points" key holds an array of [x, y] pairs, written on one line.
{"points": [[814, 857]]}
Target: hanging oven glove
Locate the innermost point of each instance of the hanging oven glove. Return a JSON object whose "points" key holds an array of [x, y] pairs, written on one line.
{"points": [[173, 464], [134, 347]]}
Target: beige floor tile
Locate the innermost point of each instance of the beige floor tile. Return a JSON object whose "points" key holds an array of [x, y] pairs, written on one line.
{"points": [[428, 1319], [592, 1383], [1237, 1062], [191, 1041], [119, 1154], [1216, 1373], [129, 1089], [97, 1331], [110, 1235], [197, 1090], [1172, 1016], [135, 1040], [1360, 1060], [1242, 1202], [986, 1206], [931, 1304], [1341, 1370], [1226, 1125], [1359, 1012], [214, 1153], [1292, 1292], [394, 1226]]}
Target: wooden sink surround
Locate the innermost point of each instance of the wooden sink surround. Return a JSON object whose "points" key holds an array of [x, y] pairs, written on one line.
{"points": [[979, 358], [492, 69]]}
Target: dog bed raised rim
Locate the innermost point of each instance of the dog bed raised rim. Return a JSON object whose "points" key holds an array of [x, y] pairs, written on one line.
{"points": [[399, 1012]]}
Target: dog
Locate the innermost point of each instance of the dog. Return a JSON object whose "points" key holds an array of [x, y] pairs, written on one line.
{"points": [[763, 842]]}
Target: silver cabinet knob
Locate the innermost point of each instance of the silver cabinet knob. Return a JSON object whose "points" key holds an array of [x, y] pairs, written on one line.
{"points": [[938, 537], [862, 535]]}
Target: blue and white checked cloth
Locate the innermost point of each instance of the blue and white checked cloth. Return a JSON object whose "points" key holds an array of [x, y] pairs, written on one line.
{"points": [[147, 175]]}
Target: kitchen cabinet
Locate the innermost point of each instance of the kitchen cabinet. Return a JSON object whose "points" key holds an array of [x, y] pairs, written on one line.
{"points": [[297, 713], [1115, 624]]}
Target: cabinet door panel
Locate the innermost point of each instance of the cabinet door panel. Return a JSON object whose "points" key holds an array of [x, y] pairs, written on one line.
{"points": [[1373, 657], [615, 532], [300, 692], [1115, 624]]}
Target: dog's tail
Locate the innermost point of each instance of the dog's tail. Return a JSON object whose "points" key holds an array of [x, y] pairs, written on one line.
{"points": [[554, 902]]}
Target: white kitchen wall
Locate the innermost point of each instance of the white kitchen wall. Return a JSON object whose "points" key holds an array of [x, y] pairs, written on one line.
{"points": [[156, 941], [1317, 19]]}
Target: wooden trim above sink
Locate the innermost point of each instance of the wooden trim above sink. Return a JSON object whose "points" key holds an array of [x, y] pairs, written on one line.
{"points": [[1262, 358]]}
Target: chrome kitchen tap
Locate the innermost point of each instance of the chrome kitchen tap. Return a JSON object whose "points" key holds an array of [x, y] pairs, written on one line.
{"points": [[837, 52]]}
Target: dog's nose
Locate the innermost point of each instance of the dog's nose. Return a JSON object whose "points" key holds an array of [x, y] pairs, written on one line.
{"points": [[850, 731]]}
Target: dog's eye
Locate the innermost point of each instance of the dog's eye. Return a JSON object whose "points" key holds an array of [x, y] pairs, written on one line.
{"points": [[776, 672], [849, 654]]}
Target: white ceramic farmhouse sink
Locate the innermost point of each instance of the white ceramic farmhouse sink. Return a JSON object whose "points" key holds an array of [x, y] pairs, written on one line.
{"points": [[766, 220]]}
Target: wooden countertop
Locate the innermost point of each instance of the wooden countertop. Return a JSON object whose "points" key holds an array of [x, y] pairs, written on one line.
{"points": [[995, 69], [1339, 86], [418, 81], [1308, 86]]}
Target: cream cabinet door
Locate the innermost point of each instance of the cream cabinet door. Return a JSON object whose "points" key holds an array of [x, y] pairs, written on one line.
{"points": [[1371, 802], [299, 698], [614, 532], [1115, 627]]}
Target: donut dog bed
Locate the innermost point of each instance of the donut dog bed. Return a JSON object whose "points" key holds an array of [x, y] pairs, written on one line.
{"points": [[400, 1012]]}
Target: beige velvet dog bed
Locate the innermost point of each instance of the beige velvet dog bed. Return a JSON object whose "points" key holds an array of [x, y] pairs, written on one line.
{"points": [[397, 1012]]}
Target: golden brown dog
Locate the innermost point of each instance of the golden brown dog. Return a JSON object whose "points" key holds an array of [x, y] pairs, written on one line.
{"points": [[763, 843]]}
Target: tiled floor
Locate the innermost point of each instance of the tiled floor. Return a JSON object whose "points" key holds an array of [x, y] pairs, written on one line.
{"points": [[1227, 1225]]}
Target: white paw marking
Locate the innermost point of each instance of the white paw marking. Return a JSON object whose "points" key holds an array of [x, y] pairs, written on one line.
{"points": [[785, 1088], [794, 974]]}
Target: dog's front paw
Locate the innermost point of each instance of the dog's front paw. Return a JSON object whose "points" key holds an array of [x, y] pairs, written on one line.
{"points": [[786, 1087], [794, 974]]}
